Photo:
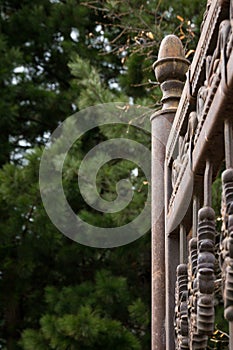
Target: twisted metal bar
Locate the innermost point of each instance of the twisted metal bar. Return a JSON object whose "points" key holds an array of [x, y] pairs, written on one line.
{"points": [[197, 341], [206, 259], [226, 247], [181, 309]]}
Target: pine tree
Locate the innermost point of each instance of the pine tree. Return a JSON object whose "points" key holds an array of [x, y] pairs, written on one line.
{"points": [[59, 57], [56, 293]]}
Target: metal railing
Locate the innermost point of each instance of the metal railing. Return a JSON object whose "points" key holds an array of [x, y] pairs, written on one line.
{"points": [[195, 124]]}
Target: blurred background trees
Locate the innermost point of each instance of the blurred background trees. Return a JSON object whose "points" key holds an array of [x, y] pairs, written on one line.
{"points": [[58, 57]]}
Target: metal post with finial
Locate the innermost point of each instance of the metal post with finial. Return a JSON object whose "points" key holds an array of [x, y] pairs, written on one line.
{"points": [[170, 70]]}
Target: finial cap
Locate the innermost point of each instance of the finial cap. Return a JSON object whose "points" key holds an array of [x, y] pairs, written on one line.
{"points": [[171, 46], [171, 63], [170, 70]]}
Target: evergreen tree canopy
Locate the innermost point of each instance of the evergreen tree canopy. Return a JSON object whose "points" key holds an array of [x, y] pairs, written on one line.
{"points": [[58, 57]]}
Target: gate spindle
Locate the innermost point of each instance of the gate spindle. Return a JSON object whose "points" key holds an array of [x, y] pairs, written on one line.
{"points": [[226, 247]]}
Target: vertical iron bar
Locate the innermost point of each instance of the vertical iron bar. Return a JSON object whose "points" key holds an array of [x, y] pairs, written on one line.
{"points": [[158, 250], [182, 244], [231, 335], [228, 136], [196, 207], [228, 143], [171, 262], [208, 184]]}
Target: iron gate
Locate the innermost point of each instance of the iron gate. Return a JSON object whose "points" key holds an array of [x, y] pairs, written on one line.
{"points": [[192, 141]]}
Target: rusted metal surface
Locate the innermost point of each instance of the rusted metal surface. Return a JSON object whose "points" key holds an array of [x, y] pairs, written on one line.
{"points": [[200, 98], [195, 130], [170, 71], [199, 140]]}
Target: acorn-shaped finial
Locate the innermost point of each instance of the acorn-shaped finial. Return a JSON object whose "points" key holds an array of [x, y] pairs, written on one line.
{"points": [[170, 70]]}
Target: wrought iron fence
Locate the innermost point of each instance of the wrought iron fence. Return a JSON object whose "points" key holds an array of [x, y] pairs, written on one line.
{"points": [[186, 254]]}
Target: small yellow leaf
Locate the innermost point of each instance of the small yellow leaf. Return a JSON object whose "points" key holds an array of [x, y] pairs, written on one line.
{"points": [[182, 37], [150, 35], [123, 60], [180, 18], [189, 53]]}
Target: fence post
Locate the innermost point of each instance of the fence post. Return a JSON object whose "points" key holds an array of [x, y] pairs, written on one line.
{"points": [[170, 70]]}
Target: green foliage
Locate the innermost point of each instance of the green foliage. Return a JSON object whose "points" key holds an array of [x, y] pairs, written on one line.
{"points": [[35, 78], [132, 80], [77, 318], [93, 89], [94, 309], [58, 57]]}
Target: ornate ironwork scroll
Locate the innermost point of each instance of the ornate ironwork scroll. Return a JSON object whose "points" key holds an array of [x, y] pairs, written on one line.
{"points": [[198, 125], [207, 72]]}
